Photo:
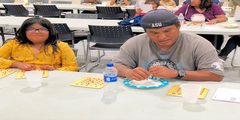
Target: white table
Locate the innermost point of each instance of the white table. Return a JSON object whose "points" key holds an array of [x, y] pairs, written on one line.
{"points": [[82, 24], [57, 100], [88, 7], [66, 6]]}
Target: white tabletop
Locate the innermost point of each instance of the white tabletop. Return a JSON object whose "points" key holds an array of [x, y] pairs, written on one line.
{"points": [[59, 6], [57, 100], [91, 7], [66, 6], [82, 24]]}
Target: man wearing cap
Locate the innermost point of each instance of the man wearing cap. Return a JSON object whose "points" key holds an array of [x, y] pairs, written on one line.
{"points": [[165, 52]]}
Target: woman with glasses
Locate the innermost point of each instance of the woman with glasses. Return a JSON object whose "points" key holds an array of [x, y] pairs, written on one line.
{"points": [[213, 14], [36, 46]]}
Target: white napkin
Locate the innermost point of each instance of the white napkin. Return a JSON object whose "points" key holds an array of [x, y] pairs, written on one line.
{"points": [[146, 83]]}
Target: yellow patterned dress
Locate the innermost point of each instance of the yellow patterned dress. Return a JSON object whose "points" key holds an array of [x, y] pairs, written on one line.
{"points": [[63, 60]]}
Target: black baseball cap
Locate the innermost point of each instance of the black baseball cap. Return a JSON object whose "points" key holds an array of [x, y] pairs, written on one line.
{"points": [[158, 18]]}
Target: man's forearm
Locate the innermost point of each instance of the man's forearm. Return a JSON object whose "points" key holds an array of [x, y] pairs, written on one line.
{"points": [[202, 75], [126, 2], [112, 2], [121, 69]]}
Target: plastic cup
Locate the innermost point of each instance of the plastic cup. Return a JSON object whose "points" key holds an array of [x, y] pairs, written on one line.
{"points": [[34, 78], [231, 20], [190, 92]]}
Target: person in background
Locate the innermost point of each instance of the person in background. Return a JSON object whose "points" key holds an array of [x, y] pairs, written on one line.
{"points": [[214, 1], [120, 2], [212, 12], [233, 4], [155, 4], [138, 3], [167, 3], [36, 46], [92, 1], [166, 52], [231, 45]]}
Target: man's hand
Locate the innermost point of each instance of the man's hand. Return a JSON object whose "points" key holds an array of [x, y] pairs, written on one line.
{"points": [[91, 1], [137, 74], [163, 72], [47, 67], [24, 66]]}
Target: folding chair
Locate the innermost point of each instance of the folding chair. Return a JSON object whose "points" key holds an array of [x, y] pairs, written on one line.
{"points": [[106, 38], [15, 10], [130, 12], [47, 11], [2, 34], [233, 58], [63, 2], [109, 12], [82, 35], [7, 1], [66, 35], [177, 2]]}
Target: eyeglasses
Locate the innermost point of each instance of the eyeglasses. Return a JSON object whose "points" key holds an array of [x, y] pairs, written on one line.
{"points": [[41, 30]]}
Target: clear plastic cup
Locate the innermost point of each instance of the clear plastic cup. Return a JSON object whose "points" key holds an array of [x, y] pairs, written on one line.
{"points": [[34, 78], [190, 92], [231, 20]]}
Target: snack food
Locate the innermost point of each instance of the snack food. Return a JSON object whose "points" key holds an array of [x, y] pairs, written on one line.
{"points": [[230, 25]]}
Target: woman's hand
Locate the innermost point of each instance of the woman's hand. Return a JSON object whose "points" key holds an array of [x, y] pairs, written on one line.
{"points": [[212, 22], [47, 67], [23, 66]]}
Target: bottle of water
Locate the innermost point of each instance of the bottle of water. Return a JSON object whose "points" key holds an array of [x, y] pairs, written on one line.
{"points": [[181, 19], [110, 90], [110, 77]]}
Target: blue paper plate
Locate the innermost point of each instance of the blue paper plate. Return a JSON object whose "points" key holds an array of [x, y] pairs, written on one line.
{"points": [[165, 82]]}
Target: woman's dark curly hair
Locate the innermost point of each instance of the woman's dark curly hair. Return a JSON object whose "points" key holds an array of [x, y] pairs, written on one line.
{"points": [[204, 4], [51, 40]]}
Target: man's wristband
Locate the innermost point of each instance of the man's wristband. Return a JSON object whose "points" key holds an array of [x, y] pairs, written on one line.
{"points": [[217, 20]]}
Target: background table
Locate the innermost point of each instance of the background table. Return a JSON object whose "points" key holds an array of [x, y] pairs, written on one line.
{"points": [[90, 7], [57, 100], [82, 24]]}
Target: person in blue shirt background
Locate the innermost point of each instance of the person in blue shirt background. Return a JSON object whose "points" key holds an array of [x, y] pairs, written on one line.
{"points": [[214, 1]]}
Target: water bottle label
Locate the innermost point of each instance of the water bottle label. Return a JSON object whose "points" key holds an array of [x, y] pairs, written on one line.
{"points": [[110, 78], [180, 19]]}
